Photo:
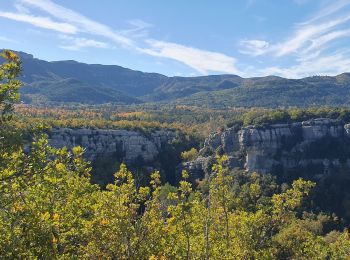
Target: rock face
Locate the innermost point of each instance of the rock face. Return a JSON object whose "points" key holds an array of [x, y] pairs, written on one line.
{"points": [[127, 146], [318, 145]]}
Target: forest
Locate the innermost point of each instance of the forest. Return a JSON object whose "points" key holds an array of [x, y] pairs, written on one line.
{"points": [[50, 208]]}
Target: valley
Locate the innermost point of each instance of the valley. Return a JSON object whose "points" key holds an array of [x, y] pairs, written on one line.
{"points": [[175, 130], [182, 137]]}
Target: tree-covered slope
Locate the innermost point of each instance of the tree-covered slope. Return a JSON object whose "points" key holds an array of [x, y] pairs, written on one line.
{"points": [[71, 81], [276, 92], [64, 82], [178, 87]]}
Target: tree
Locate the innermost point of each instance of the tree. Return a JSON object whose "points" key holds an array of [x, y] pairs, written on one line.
{"points": [[45, 200], [9, 85], [189, 155]]}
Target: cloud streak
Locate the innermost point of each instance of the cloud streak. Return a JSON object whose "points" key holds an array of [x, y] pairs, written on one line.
{"points": [[327, 65], [306, 34], [309, 46], [77, 43], [254, 47], [200, 60], [135, 39], [83, 23], [307, 49], [42, 22]]}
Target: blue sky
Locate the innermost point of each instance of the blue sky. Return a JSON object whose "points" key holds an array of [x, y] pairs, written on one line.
{"points": [[290, 38]]}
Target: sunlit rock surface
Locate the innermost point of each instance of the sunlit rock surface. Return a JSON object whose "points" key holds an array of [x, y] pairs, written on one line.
{"points": [[320, 146], [128, 146]]}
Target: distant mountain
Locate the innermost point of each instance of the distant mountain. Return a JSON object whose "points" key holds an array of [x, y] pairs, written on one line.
{"points": [[71, 81], [178, 87], [274, 92], [65, 82]]}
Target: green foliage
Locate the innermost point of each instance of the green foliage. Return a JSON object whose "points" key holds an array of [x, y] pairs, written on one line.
{"points": [[69, 82], [189, 155], [9, 85], [274, 92], [49, 209], [265, 117]]}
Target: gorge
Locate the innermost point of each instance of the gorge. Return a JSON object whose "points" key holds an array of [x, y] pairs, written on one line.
{"points": [[314, 147]]}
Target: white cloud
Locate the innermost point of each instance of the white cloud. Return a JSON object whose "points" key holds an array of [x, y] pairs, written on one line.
{"points": [[305, 34], [139, 24], [309, 47], [83, 23], [139, 29], [76, 43], [254, 47], [21, 9], [333, 64], [329, 10], [200, 60], [306, 47], [318, 43], [43, 22]]}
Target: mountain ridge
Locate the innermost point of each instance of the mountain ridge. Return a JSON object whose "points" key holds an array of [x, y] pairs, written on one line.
{"points": [[69, 81]]}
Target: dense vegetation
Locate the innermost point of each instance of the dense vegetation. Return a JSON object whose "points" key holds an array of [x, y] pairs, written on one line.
{"points": [[49, 208], [194, 121], [70, 82], [276, 92]]}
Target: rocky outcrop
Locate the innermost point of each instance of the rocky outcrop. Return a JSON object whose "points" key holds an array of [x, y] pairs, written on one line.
{"points": [[127, 146], [318, 145]]}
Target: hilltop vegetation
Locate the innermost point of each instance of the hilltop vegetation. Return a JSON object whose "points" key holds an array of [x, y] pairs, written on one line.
{"points": [[191, 120], [70, 82], [273, 92]]}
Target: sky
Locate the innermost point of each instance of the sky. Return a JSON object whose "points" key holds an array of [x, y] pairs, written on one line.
{"points": [[288, 38]]}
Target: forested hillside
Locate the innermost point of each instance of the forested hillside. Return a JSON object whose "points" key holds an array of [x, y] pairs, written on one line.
{"points": [[71, 82]]}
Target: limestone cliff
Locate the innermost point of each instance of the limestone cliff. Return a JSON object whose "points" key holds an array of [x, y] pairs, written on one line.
{"points": [[319, 146], [127, 146]]}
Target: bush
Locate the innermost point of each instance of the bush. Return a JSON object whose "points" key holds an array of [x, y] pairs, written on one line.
{"points": [[189, 155]]}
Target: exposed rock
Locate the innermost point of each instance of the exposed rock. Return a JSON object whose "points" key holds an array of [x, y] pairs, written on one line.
{"points": [[128, 146], [320, 144]]}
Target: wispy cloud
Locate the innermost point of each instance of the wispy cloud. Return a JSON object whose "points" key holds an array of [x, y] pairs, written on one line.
{"points": [[200, 60], [308, 48], [83, 23], [136, 39], [77, 43], [306, 37], [328, 10], [139, 29], [254, 47], [306, 34], [327, 65], [318, 43], [43, 22]]}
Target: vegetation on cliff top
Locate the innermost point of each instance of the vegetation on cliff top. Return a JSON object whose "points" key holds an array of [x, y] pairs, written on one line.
{"points": [[50, 209]]}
